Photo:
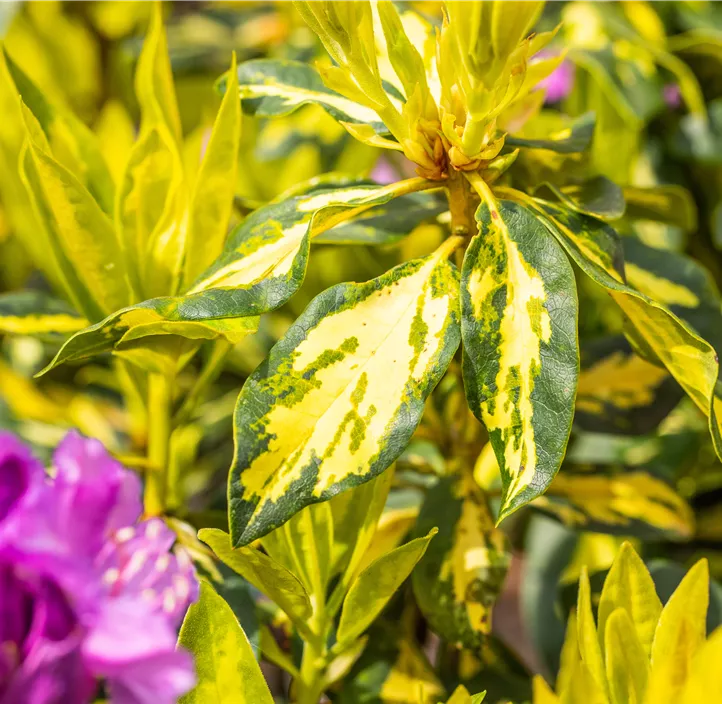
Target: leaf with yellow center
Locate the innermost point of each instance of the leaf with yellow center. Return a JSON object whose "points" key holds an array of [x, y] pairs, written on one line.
{"points": [[340, 395], [36, 313], [458, 580], [521, 363]]}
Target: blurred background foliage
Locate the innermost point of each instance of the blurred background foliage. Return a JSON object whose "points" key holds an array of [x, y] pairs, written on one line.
{"points": [[640, 463]]}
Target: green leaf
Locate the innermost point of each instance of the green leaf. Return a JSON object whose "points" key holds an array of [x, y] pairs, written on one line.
{"points": [[459, 579], [274, 87], [340, 395], [575, 138], [669, 204], [373, 588], [621, 393], [598, 197], [190, 317], [691, 360], [226, 667], [519, 325], [212, 196], [264, 260], [85, 232], [629, 586], [36, 313], [269, 577]]}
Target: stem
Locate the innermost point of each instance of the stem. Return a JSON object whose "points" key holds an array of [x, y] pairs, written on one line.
{"points": [[212, 369], [313, 663], [159, 430], [462, 205]]}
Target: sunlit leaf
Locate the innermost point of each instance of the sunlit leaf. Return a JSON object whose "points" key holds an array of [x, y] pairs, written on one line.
{"points": [[575, 138], [519, 319], [36, 313]]}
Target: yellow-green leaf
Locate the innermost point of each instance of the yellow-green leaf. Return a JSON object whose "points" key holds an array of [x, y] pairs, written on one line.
{"points": [[704, 683], [679, 635], [588, 640], [669, 204], [342, 392], [629, 586], [212, 197], [627, 663], [521, 360], [86, 233], [269, 577], [373, 588], [154, 80], [226, 667]]}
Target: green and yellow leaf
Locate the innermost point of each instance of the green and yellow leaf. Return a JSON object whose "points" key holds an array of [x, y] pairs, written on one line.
{"points": [[669, 204], [225, 665], [273, 87], [342, 392], [37, 313], [461, 575], [598, 197], [575, 138], [521, 363], [619, 392], [185, 317], [690, 359], [624, 502], [264, 261]]}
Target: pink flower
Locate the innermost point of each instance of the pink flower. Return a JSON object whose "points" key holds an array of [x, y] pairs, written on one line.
{"points": [[559, 83], [86, 592]]}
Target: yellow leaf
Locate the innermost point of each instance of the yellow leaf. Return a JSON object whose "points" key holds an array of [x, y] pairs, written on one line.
{"points": [[627, 664], [589, 647]]}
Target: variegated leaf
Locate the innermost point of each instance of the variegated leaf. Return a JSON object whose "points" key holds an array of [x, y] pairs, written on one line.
{"points": [[36, 313], [575, 138], [690, 359], [521, 360], [598, 197], [342, 392], [670, 204], [265, 257], [186, 317], [621, 393], [274, 87], [621, 502], [458, 580]]}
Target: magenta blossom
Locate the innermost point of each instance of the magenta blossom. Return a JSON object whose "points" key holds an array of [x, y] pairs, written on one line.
{"points": [[559, 83], [87, 593]]}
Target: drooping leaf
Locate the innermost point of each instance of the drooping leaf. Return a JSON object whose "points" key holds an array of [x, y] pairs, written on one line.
{"points": [[519, 325], [691, 360], [37, 313], [264, 260], [598, 197], [621, 393], [186, 317], [215, 186], [342, 392], [669, 204], [226, 667], [622, 502], [575, 138], [373, 588], [273, 87], [267, 575], [461, 575]]}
